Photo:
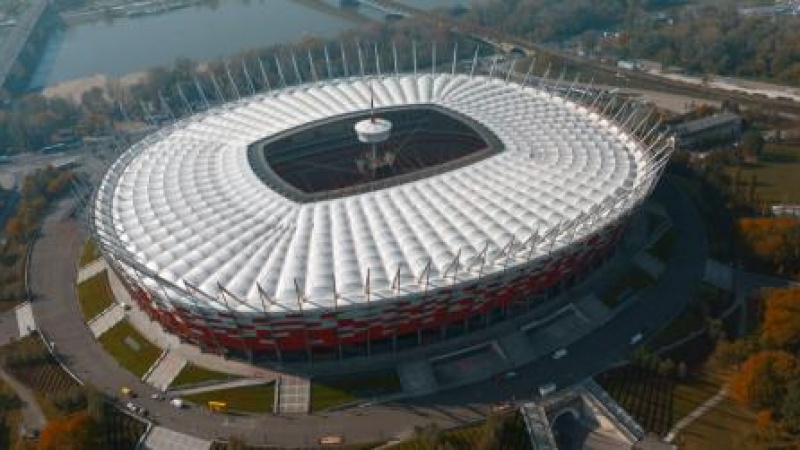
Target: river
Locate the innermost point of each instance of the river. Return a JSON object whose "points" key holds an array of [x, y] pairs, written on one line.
{"points": [[127, 45]]}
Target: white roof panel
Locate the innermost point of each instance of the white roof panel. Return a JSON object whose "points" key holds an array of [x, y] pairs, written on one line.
{"points": [[190, 207]]}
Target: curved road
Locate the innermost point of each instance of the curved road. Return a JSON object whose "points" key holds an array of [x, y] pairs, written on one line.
{"points": [[52, 280]]}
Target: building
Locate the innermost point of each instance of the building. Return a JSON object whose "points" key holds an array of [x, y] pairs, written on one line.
{"points": [[700, 134], [264, 228]]}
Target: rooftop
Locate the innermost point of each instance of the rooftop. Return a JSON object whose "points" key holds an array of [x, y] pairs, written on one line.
{"points": [[187, 206]]}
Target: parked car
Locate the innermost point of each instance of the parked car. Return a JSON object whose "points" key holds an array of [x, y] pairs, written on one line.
{"points": [[333, 439], [502, 407], [547, 389]]}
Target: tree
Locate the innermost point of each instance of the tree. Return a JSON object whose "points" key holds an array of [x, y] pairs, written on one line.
{"points": [[761, 381], [752, 145], [728, 355], [76, 431], [781, 325], [790, 412], [14, 228], [666, 368], [772, 241], [766, 425]]}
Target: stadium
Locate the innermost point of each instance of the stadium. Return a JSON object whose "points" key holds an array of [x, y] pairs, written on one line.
{"points": [[371, 214]]}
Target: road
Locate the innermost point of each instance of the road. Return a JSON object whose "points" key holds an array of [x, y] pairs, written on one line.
{"points": [[52, 279], [610, 344]]}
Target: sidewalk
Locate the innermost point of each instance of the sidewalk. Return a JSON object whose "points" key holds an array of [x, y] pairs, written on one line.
{"points": [[219, 386], [161, 438]]}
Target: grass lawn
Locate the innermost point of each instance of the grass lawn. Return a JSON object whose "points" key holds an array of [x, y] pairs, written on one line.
{"points": [[248, 399], [329, 392], [776, 172], [324, 397], [656, 402], [728, 426], [94, 296], [89, 253], [191, 374], [117, 342], [625, 285], [690, 393]]}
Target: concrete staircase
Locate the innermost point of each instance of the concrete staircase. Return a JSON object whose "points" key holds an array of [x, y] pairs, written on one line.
{"points": [[294, 395], [107, 319], [165, 370]]}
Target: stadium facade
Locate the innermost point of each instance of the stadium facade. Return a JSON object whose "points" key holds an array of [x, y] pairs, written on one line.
{"points": [[264, 227]]}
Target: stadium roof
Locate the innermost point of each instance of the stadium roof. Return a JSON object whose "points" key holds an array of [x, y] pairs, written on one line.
{"points": [[187, 205]]}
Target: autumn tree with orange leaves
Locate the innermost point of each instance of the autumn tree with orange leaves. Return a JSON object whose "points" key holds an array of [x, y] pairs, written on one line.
{"points": [[762, 379], [781, 323], [773, 242], [77, 431]]}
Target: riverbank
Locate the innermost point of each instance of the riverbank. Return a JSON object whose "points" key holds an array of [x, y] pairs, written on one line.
{"points": [[74, 89], [197, 33], [125, 10]]}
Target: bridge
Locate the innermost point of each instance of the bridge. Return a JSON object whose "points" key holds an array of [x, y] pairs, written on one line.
{"points": [[588, 405], [391, 9], [19, 51]]}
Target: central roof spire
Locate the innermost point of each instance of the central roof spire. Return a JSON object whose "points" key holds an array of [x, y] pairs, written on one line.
{"points": [[371, 102]]}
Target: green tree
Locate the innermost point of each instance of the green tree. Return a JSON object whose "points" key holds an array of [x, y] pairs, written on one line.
{"points": [[666, 368]]}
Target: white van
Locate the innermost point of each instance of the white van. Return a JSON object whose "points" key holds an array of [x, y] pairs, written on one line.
{"points": [[547, 389], [560, 353], [636, 338]]}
